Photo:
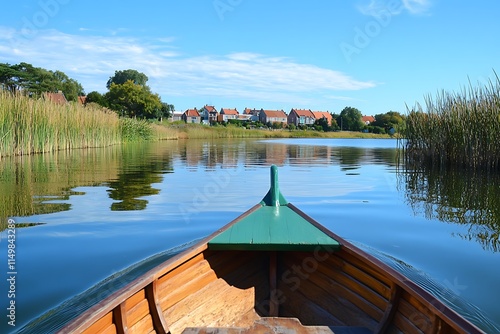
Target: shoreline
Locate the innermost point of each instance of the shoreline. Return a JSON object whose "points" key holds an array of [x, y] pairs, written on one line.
{"points": [[35, 126]]}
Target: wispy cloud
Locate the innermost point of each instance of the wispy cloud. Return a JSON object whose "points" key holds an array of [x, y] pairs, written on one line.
{"points": [[93, 59], [377, 8], [417, 6]]}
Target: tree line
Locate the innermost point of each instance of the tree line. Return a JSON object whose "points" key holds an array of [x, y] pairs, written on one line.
{"points": [[34, 81], [351, 119], [128, 93]]}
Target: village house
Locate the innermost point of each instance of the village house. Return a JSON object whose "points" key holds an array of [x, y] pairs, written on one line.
{"points": [[323, 114], [368, 119], [191, 116], [208, 114], [227, 114], [272, 116], [57, 98], [176, 116], [254, 114], [301, 117]]}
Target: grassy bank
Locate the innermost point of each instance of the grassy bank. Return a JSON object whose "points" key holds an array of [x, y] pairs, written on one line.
{"points": [[197, 131], [458, 129]]}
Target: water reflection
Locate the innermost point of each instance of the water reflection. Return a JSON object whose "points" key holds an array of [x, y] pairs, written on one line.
{"points": [[39, 184], [140, 167], [42, 184], [459, 197]]}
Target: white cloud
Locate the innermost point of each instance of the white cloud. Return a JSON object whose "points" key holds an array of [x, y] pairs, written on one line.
{"points": [[417, 6], [92, 59], [378, 8]]}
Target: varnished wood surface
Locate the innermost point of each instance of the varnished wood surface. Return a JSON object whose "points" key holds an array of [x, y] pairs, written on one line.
{"points": [[226, 289]]}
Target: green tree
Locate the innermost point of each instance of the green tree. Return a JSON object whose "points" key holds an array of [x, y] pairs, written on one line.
{"points": [[96, 97], [133, 100], [334, 126], [391, 119], [122, 77], [34, 81], [165, 111], [350, 118], [70, 87], [8, 76], [277, 125]]}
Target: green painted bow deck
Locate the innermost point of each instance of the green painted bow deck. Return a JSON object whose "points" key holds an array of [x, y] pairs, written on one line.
{"points": [[273, 225]]}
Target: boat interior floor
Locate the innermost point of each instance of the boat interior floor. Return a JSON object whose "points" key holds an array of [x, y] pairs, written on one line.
{"points": [[278, 325]]}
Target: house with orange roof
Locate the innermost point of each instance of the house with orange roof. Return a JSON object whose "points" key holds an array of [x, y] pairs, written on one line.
{"points": [[272, 116], [301, 117], [368, 119], [191, 116], [323, 114], [57, 98], [226, 114], [208, 114]]}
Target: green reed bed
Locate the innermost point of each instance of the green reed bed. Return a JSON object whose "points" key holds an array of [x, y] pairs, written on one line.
{"points": [[457, 130], [30, 125]]}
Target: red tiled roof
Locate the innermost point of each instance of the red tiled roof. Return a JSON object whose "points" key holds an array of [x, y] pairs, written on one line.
{"points": [[274, 113], [192, 113], [368, 119], [323, 114], [229, 111], [303, 112], [58, 97], [210, 108]]}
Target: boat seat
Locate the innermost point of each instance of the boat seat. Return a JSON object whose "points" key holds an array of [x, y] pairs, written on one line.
{"points": [[278, 325]]}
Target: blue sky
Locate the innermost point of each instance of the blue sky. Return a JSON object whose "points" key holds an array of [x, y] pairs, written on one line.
{"points": [[375, 55]]}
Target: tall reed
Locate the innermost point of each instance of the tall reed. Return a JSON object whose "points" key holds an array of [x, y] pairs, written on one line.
{"points": [[30, 125], [457, 130]]}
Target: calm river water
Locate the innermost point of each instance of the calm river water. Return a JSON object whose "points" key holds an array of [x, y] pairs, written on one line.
{"points": [[85, 215]]}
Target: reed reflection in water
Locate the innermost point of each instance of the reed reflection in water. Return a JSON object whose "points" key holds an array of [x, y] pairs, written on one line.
{"points": [[459, 197]]}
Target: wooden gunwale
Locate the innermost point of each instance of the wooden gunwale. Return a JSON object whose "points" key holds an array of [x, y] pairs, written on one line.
{"points": [[148, 281], [108, 304], [452, 318]]}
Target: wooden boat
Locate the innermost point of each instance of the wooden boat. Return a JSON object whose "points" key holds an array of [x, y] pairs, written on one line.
{"points": [[271, 270]]}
